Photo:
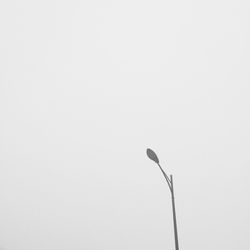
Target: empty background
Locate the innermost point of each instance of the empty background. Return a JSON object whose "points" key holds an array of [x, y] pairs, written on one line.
{"points": [[86, 86]]}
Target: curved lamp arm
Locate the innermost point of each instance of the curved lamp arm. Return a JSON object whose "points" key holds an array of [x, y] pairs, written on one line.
{"points": [[166, 177]]}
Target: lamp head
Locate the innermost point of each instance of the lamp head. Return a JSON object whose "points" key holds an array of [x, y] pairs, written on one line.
{"points": [[152, 155]]}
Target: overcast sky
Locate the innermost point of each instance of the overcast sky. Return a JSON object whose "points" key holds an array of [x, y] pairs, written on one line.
{"points": [[86, 86]]}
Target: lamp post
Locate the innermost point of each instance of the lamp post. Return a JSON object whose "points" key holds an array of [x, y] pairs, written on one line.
{"points": [[152, 156]]}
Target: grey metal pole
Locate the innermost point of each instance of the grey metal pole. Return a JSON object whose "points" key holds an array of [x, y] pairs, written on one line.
{"points": [[152, 156], [174, 214]]}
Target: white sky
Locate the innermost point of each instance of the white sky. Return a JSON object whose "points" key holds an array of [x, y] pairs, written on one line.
{"points": [[86, 87]]}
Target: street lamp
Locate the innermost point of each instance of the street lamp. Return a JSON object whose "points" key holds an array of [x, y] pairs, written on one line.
{"points": [[152, 156]]}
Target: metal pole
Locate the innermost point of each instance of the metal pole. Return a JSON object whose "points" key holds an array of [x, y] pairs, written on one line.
{"points": [[174, 215]]}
